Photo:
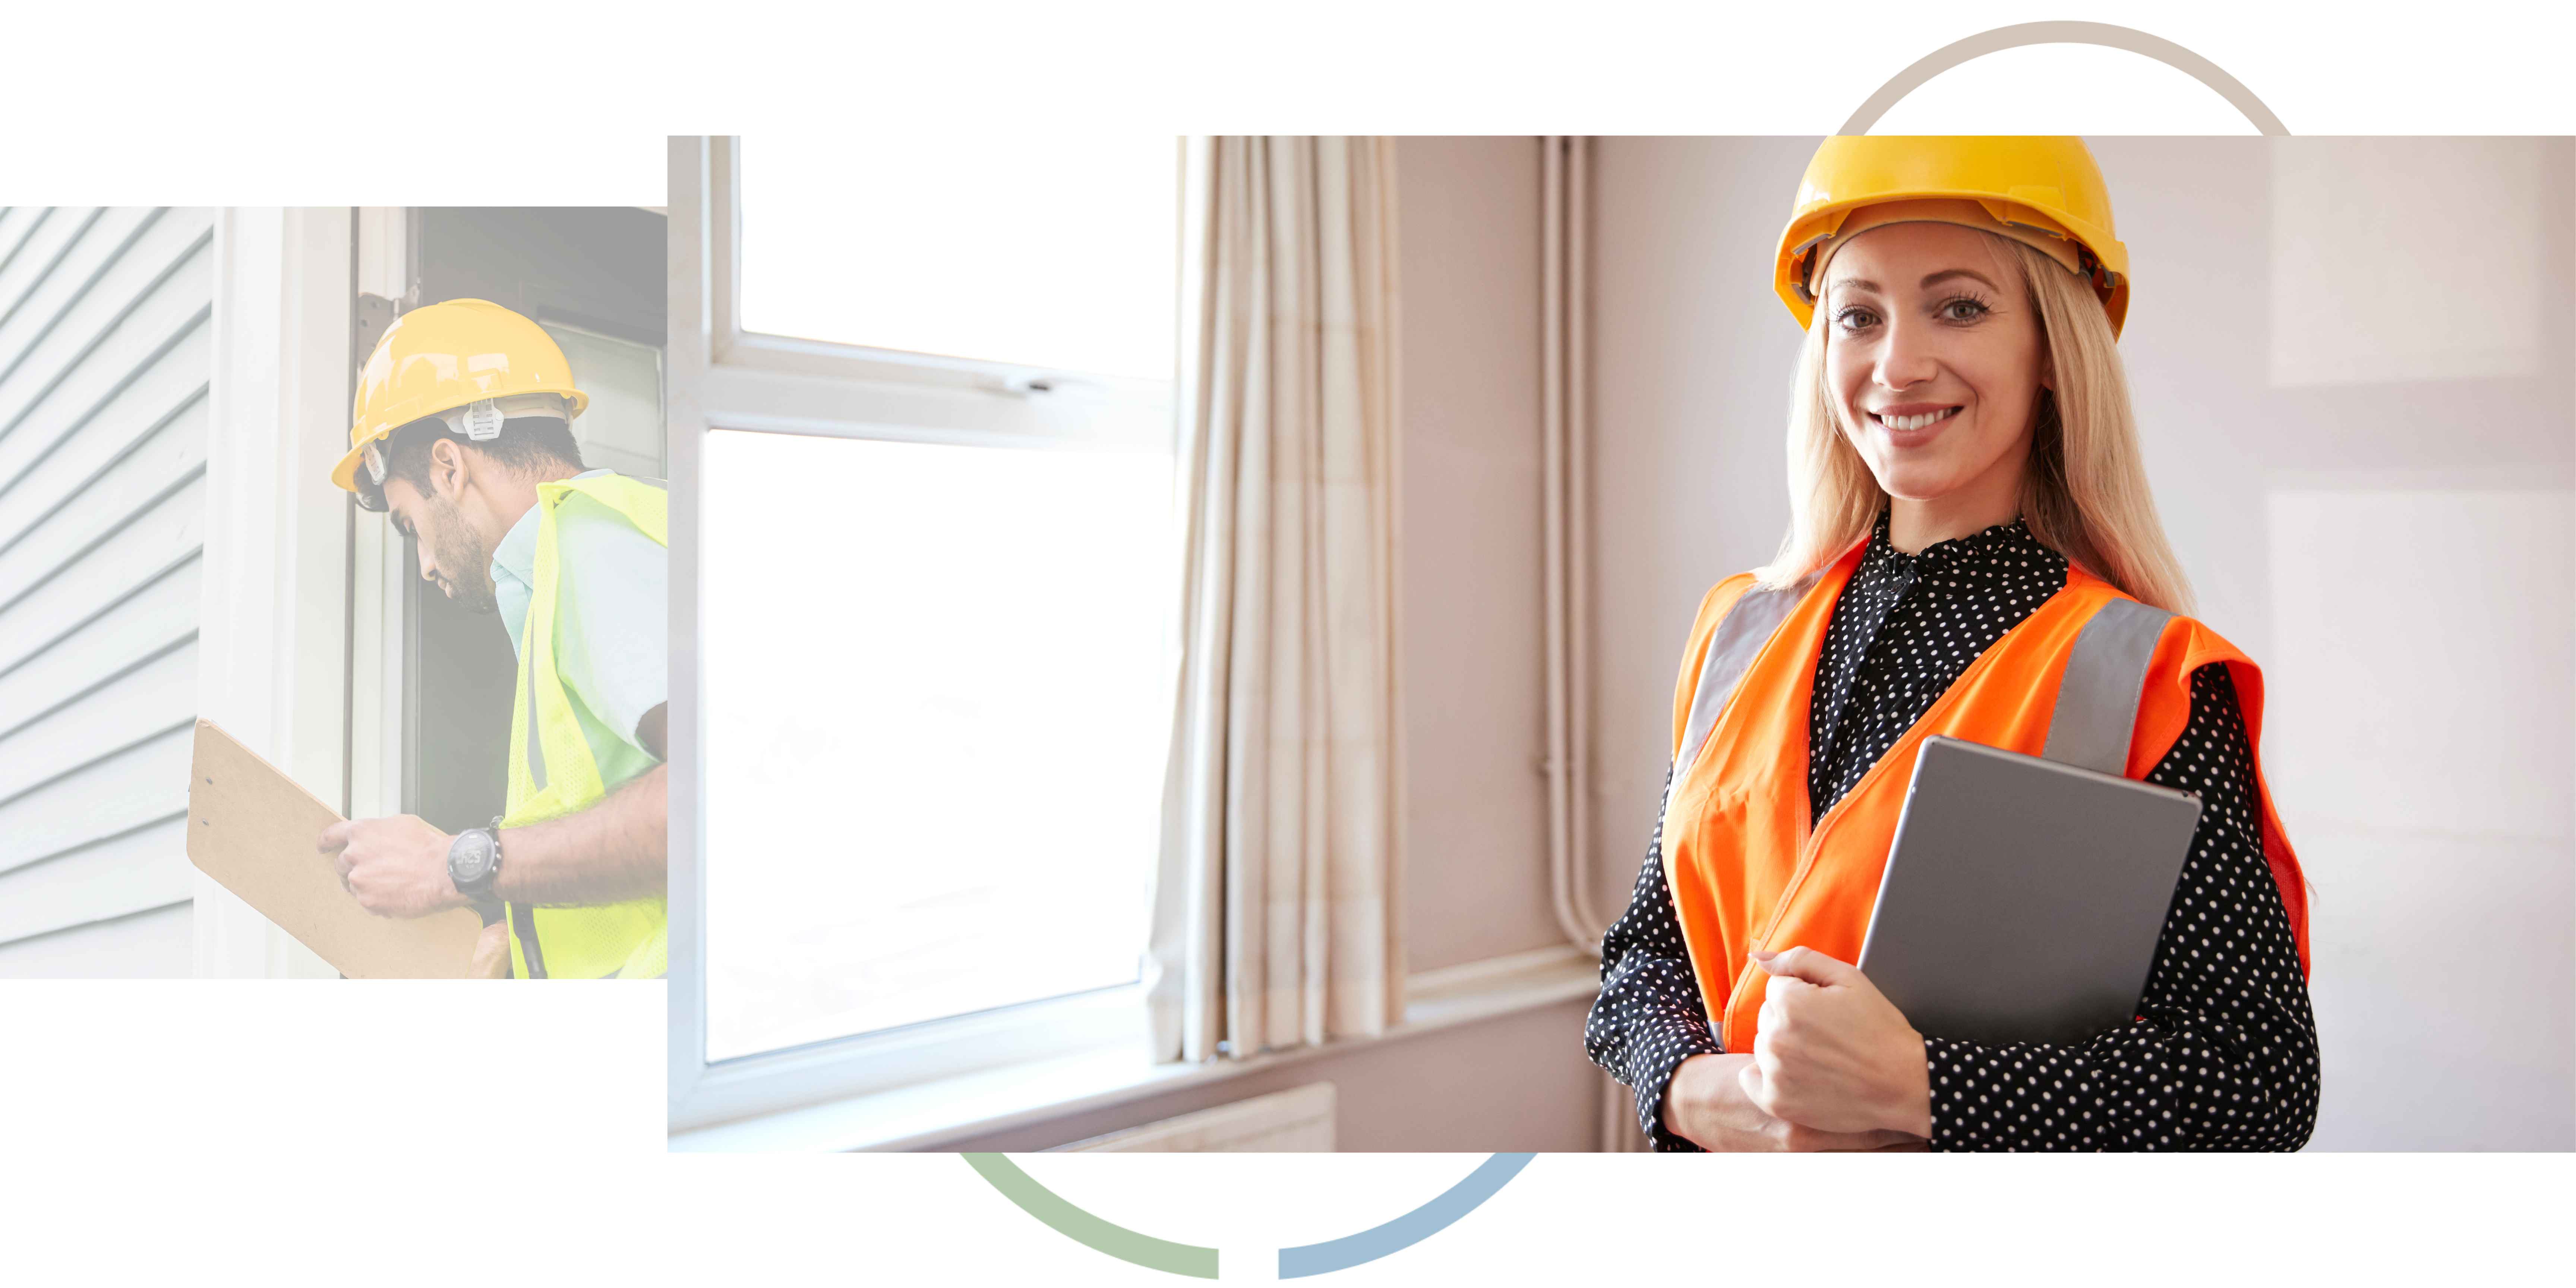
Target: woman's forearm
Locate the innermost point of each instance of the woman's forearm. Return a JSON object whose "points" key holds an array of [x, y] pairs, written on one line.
{"points": [[1648, 1018]]}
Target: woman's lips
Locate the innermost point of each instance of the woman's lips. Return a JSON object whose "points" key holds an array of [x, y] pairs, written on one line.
{"points": [[1913, 429]]}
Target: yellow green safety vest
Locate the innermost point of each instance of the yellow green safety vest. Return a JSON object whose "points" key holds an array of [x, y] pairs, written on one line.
{"points": [[552, 772]]}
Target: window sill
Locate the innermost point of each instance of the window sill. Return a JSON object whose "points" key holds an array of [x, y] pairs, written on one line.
{"points": [[934, 1114]]}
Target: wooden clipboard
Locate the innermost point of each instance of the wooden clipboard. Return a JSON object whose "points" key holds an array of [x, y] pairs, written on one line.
{"points": [[253, 829]]}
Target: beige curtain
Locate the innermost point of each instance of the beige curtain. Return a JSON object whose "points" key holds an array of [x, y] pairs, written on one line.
{"points": [[1275, 912]]}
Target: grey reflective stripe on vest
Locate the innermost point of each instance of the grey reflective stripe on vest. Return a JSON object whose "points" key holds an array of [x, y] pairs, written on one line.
{"points": [[1748, 624], [536, 736], [2097, 697]]}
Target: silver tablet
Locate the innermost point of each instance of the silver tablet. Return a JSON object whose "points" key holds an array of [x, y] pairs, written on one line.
{"points": [[2023, 897]]}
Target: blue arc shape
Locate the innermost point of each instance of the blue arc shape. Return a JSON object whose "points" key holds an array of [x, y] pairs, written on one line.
{"points": [[1404, 1231]]}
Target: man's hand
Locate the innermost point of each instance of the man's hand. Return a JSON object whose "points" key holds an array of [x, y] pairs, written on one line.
{"points": [[394, 867], [1706, 1104], [1832, 1052]]}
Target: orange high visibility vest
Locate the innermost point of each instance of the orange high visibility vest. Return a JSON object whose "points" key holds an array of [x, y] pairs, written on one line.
{"points": [[1749, 872]]}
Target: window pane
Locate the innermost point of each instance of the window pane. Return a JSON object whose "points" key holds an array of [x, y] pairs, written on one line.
{"points": [[1046, 251], [622, 428], [937, 696]]}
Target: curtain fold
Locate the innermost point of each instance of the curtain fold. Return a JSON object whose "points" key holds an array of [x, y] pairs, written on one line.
{"points": [[1276, 922]]}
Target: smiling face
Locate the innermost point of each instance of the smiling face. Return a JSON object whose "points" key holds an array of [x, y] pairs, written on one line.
{"points": [[1934, 359]]}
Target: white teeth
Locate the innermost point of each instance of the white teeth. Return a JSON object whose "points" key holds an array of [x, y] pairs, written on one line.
{"points": [[1914, 422]]}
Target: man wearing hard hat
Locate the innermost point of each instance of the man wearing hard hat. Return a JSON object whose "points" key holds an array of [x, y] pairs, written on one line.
{"points": [[462, 432]]}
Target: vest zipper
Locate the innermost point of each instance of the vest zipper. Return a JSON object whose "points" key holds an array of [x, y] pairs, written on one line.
{"points": [[1797, 877]]}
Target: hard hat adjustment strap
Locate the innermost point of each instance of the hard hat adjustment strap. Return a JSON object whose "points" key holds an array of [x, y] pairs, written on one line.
{"points": [[481, 421], [1804, 256], [2093, 268]]}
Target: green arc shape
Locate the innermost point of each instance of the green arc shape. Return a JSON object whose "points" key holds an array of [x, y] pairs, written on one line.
{"points": [[1088, 1230]]}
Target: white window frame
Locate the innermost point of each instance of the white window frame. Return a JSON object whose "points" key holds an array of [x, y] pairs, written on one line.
{"points": [[723, 377]]}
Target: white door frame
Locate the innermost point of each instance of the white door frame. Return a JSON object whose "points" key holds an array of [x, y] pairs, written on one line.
{"points": [[378, 609], [273, 625]]}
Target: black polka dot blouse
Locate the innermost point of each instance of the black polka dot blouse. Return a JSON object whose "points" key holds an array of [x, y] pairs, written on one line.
{"points": [[2225, 1056]]}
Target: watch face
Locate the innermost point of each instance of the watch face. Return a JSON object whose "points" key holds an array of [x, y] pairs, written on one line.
{"points": [[470, 857]]}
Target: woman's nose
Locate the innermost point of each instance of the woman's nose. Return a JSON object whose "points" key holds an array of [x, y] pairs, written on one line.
{"points": [[1905, 356]]}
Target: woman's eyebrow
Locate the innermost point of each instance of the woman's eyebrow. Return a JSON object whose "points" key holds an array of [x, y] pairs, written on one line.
{"points": [[1865, 286], [1948, 273]]}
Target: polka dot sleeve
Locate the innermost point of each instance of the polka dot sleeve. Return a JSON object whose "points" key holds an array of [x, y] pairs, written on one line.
{"points": [[1649, 1017], [2225, 1056]]}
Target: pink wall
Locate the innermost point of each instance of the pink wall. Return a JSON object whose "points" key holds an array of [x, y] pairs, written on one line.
{"points": [[1474, 695]]}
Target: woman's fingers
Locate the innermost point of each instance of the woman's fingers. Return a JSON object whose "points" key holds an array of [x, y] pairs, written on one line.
{"points": [[1810, 1140], [1805, 964], [1757, 1086]]}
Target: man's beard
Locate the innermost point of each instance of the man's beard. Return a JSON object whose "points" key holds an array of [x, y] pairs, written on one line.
{"points": [[465, 567]]}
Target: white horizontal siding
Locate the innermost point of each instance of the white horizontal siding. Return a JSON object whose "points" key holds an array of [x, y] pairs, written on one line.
{"points": [[39, 671], [145, 945], [97, 882], [125, 708], [105, 355]]}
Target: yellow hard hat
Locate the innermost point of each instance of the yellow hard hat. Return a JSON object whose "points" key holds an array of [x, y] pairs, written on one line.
{"points": [[2045, 192], [469, 362]]}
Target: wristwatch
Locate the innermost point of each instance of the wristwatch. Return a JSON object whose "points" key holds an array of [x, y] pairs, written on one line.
{"points": [[474, 861]]}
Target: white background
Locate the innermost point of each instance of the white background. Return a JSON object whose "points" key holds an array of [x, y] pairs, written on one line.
{"points": [[418, 1134]]}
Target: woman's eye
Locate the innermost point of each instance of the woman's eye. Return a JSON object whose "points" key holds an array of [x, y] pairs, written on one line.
{"points": [[1854, 319], [1963, 309]]}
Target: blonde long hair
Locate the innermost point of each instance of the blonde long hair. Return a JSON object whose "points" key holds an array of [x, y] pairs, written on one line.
{"points": [[2084, 487]]}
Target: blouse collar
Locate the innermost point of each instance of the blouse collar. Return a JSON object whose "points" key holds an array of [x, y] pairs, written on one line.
{"points": [[2001, 548]]}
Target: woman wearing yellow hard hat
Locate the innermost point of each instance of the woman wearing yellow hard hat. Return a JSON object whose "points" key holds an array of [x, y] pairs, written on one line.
{"points": [[1967, 504]]}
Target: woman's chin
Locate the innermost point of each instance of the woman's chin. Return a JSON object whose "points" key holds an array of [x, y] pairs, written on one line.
{"points": [[1917, 485]]}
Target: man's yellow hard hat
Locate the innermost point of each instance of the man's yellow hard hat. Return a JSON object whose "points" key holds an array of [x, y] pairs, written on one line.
{"points": [[470, 362], [2043, 191]]}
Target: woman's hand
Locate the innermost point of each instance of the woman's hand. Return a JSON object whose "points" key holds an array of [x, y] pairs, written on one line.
{"points": [[1833, 1053], [1705, 1103]]}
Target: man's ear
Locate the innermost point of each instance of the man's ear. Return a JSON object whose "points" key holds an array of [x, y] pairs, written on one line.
{"points": [[447, 468]]}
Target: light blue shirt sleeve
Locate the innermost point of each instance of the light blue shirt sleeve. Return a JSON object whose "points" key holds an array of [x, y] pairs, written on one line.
{"points": [[612, 626]]}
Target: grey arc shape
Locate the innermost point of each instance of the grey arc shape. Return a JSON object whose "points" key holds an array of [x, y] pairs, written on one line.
{"points": [[2064, 33]]}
